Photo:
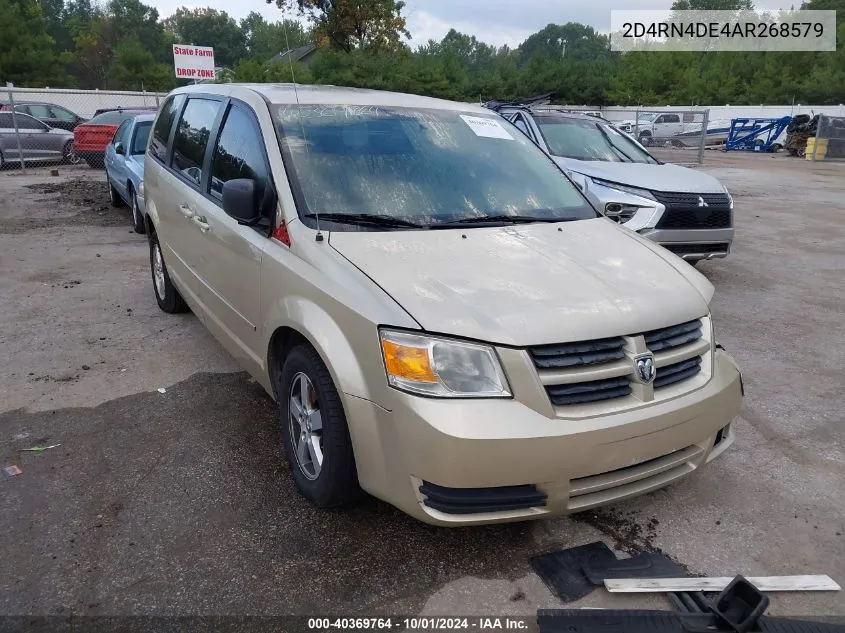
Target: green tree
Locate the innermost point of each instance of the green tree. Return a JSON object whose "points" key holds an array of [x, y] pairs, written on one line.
{"points": [[712, 5], [265, 39], [133, 67], [377, 25], [209, 27], [27, 57]]}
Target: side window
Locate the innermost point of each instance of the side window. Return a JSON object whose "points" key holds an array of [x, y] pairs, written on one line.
{"points": [[191, 140], [120, 135], [29, 123], [163, 124], [673, 118], [23, 109], [660, 119], [62, 114], [239, 153], [40, 111]]}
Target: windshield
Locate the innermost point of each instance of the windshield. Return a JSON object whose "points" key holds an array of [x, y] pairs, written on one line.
{"points": [[645, 117], [142, 134], [584, 139], [423, 166]]}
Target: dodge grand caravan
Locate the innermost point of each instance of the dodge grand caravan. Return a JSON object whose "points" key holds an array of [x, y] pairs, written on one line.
{"points": [[443, 319]]}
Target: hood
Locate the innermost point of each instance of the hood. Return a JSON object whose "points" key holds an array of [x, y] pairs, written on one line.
{"points": [[529, 285], [666, 177]]}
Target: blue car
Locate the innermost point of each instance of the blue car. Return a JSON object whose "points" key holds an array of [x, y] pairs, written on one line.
{"points": [[124, 162]]}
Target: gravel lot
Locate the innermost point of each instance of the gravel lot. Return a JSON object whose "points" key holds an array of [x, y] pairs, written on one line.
{"points": [[180, 502]]}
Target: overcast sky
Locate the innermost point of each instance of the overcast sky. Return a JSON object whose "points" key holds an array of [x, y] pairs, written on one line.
{"points": [[493, 21]]}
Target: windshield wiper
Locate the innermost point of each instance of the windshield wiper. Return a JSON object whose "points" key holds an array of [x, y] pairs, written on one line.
{"points": [[498, 219], [371, 219], [614, 145]]}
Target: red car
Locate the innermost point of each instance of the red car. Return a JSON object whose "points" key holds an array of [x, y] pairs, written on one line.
{"points": [[91, 138]]}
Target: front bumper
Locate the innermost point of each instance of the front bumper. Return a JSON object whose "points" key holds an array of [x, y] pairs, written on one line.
{"points": [[693, 244], [449, 446]]}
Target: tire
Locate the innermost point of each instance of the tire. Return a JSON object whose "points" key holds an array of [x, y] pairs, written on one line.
{"points": [[69, 157], [168, 298], [137, 216], [114, 197], [645, 140], [693, 262], [333, 481]]}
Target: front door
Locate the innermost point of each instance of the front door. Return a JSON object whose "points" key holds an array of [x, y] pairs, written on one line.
{"points": [[116, 162], [178, 186], [230, 258]]}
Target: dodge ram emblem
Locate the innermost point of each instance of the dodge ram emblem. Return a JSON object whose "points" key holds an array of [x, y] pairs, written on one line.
{"points": [[645, 369], [702, 202]]}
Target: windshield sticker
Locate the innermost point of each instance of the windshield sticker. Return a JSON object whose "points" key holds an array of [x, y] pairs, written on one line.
{"points": [[482, 126]]}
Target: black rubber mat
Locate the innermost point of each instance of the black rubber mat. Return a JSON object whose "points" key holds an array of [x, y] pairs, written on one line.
{"points": [[562, 571], [645, 565]]}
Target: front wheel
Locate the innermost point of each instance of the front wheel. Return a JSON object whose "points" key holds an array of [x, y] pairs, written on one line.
{"points": [[168, 298], [645, 140], [314, 431]]}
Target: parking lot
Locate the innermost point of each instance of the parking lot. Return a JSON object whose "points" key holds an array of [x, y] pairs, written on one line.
{"points": [[180, 502]]}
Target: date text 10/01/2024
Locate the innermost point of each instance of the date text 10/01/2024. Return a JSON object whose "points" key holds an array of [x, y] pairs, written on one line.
{"points": [[418, 624]]}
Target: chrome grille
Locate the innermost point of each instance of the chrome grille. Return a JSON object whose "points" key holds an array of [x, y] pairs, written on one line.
{"points": [[580, 354], [675, 336], [671, 374], [592, 391]]}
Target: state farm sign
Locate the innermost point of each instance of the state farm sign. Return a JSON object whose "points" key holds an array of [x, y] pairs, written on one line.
{"points": [[193, 62]]}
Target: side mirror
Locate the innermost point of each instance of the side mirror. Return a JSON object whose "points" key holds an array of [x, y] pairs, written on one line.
{"points": [[119, 148], [239, 200]]}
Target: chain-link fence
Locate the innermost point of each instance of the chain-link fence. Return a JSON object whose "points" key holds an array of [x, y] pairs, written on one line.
{"points": [[829, 141], [673, 136], [43, 126]]}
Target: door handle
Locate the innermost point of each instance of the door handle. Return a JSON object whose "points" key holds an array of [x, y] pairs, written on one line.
{"points": [[200, 222], [186, 211]]}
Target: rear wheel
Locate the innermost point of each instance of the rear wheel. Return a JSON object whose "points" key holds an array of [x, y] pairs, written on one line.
{"points": [[314, 430], [137, 216], [114, 198], [69, 155], [168, 298]]}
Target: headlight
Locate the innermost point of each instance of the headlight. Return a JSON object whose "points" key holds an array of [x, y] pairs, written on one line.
{"points": [[730, 198], [435, 366], [141, 189], [634, 191]]}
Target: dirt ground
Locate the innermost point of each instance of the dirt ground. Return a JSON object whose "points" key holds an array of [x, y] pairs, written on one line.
{"points": [[180, 502]]}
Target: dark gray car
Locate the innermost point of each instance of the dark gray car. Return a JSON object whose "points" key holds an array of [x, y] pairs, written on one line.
{"points": [[38, 141]]}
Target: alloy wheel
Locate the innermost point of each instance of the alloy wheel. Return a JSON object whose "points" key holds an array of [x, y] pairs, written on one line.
{"points": [[306, 426], [158, 272]]}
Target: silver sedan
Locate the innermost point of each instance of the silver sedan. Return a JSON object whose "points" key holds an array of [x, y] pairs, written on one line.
{"points": [[38, 141]]}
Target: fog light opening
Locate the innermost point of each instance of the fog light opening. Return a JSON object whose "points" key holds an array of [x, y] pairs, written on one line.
{"points": [[722, 434]]}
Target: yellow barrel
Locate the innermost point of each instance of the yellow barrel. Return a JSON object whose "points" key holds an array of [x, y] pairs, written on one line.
{"points": [[817, 145]]}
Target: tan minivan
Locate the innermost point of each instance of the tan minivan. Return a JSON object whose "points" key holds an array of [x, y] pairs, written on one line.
{"points": [[442, 317]]}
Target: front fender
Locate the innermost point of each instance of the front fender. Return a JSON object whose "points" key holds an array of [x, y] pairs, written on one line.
{"points": [[347, 363]]}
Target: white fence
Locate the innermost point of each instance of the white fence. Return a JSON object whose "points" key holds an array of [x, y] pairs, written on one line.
{"points": [[83, 102]]}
